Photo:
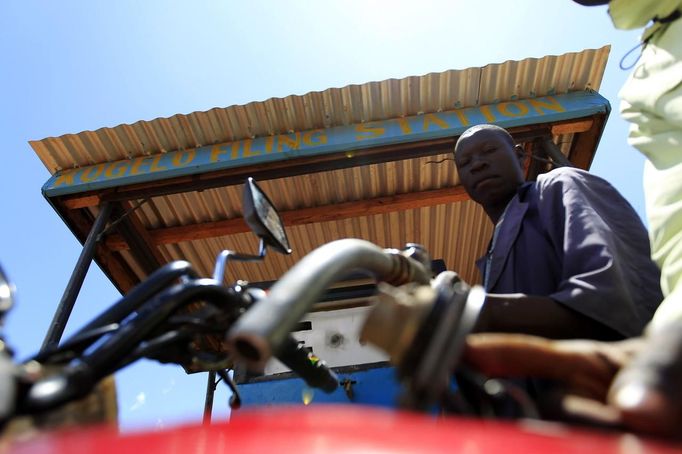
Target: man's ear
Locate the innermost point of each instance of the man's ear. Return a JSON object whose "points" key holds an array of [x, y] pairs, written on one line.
{"points": [[520, 154]]}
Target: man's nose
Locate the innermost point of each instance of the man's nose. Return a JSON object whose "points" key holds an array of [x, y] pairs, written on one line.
{"points": [[478, 164]]}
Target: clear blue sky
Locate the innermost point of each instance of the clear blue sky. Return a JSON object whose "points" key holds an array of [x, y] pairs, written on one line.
{"points": [[69, 66]]}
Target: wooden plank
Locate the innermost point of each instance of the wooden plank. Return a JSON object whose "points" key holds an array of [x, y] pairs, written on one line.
{"points": [[119, 272], [171, 235], [140, 243], [572, 127], [379, 205], [575, 126], [336, 212], [74, 203], [585, 144]]}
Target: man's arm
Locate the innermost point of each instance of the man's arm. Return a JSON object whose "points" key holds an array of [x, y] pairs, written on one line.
{"points": [[645, 396], [585, 367], [607, 274], [539, 316]]}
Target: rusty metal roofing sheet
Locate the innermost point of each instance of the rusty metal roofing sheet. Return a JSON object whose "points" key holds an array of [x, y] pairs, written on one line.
{"points": [[391, 98]]}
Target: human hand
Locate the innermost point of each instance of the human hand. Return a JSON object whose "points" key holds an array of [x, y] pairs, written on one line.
{"points": [[647, 392], [634, 383], [585, 367]]}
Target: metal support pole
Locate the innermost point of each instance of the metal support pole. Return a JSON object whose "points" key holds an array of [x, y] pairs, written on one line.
{"points": [[63, 312], [210, 391]]}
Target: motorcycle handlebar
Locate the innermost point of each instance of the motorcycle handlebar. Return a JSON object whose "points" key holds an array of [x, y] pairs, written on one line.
{"points": [[264, 328], [76, 380]]}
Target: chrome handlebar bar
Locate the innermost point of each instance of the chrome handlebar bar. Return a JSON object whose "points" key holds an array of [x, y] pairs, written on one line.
{"points": [[261, 331]]}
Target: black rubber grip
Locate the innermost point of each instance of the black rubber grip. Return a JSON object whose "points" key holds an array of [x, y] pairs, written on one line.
{"points": [[308, 366]]}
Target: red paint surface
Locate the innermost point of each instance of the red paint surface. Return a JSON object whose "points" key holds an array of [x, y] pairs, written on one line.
{"points": [[347, 429]]}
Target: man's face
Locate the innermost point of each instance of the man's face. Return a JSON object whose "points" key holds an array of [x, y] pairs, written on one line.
{"points": [[489, 167]]}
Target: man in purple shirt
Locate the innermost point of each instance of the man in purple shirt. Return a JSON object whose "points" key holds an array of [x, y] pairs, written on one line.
{"points": [[569, 257]]}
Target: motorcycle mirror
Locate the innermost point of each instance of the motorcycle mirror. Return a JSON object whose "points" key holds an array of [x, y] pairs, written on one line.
{"points": [[263, 219]]}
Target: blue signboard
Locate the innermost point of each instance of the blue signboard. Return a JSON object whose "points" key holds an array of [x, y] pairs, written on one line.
{"points": [[321, 141], [371, 386]]}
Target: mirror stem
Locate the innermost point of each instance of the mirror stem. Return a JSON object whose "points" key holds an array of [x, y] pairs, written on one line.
{"points": [[262, 249]]}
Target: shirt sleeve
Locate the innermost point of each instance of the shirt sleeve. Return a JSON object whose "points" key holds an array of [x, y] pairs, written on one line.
{"points": [[604, 249]]}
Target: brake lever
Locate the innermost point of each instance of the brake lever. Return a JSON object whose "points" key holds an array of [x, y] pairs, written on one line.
{"points": [[158, 281], [76, 380], [108, 321], [74, 346]]}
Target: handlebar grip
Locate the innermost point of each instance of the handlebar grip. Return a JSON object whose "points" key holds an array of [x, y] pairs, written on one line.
{"points": [[71, 383], [309, 367]]}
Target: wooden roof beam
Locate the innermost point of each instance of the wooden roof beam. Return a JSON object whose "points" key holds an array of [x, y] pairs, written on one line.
{"points": [[336, 212], [585, 144], [138, 240]]}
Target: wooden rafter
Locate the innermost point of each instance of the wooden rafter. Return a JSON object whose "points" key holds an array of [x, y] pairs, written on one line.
{"points": [[336, 212], [585, 143], [137, 238]]}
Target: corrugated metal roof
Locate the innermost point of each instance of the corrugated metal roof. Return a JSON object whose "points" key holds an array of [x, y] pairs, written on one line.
{"points": [[372, 101], [455, 232]]}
